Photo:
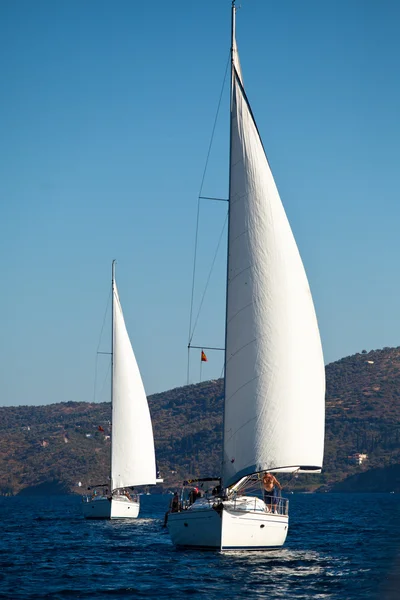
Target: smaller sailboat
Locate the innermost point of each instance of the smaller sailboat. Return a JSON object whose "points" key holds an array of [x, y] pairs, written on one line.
{"points": [[132, 444]]}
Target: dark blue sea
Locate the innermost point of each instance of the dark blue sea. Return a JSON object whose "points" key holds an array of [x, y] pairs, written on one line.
{"points": [[339, 546]]}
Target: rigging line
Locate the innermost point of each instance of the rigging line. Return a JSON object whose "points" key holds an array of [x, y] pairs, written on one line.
{"points": [[208, 278], [104, 320], [105, 379], [205, 348], [290, 480], [95, 378], [198, 201], [222, 371], [98, 346], [211, 198]]}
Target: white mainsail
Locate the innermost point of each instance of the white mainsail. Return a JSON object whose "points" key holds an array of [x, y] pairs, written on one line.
{"points": [[274, 372], [132, 451]]}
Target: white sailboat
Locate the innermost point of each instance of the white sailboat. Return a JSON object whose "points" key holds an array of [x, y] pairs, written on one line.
{"points": [[132, 445], [274, 409]]}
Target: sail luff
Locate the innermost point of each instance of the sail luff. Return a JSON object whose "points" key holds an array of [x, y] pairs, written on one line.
{"points": [[274, 371]]}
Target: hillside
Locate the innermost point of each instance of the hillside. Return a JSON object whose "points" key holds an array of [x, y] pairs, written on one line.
{"points": [[60, 444], [373, 480], [362, 412]]}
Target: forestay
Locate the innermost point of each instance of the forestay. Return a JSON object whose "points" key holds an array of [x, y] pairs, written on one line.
{"points": [[132, 456], [274, 373]]}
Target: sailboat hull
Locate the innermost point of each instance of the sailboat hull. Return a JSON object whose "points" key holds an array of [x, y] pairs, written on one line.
{"points": [[229, 526], [105, 508], [197, 528]]}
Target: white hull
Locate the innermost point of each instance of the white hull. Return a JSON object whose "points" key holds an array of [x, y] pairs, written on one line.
{"points": [[105, 508], [242, 525]]}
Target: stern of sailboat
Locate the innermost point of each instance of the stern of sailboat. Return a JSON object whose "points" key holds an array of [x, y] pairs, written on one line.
{"points": [[235, 522]]}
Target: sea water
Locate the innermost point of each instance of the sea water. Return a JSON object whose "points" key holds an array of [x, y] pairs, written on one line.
{"points": [[339, 546]]}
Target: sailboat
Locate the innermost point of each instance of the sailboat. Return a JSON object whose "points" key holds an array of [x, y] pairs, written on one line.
{"points": [[274, 384], [132, 445]]}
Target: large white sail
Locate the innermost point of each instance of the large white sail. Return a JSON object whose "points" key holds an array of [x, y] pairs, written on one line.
{"points": [[274, 375], [132, 455]]}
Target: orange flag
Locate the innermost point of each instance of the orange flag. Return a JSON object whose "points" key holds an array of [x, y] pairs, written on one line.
{"points": [[203, 357]]}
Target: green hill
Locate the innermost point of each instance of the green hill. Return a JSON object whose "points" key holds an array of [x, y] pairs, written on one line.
{"points": [[385, 479], [60, 445]]}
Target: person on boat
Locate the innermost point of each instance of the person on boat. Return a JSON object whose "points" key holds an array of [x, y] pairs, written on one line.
{"points": [[127, 494], [194, 494], [216, 490], [270, 484], [174, 505]]}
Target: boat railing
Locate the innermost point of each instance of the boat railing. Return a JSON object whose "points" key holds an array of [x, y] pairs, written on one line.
{"points": [[94, 495], [275, 505], [129, 494]]}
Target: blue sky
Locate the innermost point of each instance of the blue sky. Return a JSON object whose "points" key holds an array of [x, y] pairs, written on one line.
{"points": [[106, 116]]}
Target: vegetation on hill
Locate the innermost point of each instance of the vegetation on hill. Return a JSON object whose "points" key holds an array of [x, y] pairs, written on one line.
{"points": [[384, 479], [64, 444], [362, 413]]}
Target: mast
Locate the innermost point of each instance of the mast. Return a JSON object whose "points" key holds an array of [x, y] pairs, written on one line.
{"points": [[112, 353], [233, 33], [233, 28], [112, 324]]}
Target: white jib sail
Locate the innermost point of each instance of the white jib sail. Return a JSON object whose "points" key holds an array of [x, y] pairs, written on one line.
{"points": [[275, 377], [132, 456]]}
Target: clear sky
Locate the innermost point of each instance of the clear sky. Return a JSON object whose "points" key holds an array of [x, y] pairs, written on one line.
{"points": [[106, 113]]}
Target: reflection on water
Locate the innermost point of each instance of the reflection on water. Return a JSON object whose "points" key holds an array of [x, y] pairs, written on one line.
{"points": [[287, 571]]}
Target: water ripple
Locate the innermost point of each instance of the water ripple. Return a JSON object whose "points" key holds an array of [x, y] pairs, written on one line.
{"points": [[338, 547]]}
